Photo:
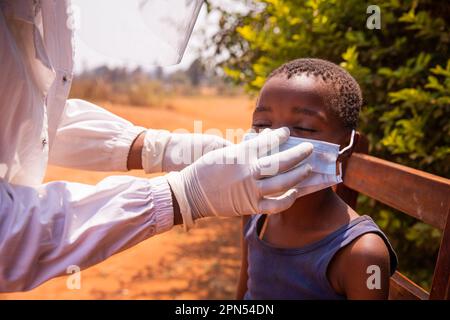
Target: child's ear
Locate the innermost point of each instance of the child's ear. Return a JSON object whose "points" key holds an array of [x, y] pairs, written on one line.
{"points": [[349, 152]]}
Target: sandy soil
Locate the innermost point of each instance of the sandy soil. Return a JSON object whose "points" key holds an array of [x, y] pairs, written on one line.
{"points": [[201, 264]]}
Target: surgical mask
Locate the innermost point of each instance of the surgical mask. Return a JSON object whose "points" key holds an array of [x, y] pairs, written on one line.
{"points": [[326, 170]]}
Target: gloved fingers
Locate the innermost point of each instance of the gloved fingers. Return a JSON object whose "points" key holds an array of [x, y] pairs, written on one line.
{"points": [[278, 204], [268, 140], [283, 161], [284, 181], [215, 142], [266, 130]]}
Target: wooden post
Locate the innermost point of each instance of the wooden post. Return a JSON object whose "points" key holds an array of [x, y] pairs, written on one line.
{"points": [[440, 288]]}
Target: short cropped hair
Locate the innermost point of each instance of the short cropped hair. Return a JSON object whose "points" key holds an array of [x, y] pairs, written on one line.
{"points": [[346, 97]]}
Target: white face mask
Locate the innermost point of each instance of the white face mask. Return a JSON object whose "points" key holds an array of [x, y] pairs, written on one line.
{"points": [[326, 172]]}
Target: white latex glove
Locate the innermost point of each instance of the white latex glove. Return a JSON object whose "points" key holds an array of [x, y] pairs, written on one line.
{"points": [[218, 184], [164, 151]]}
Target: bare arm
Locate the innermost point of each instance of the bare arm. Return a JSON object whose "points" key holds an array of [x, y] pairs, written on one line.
{"points": [[134, 160], [362, 269]]}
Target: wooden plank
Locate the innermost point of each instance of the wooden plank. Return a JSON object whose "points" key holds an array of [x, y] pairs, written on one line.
{"points": [[417, 193], [440, 288], [401, 288]]}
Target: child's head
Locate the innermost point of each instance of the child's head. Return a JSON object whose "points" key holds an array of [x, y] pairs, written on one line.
{"points": [[315, 98]]}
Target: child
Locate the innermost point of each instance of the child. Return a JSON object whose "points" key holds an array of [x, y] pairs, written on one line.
{"points": [[319, 248]]}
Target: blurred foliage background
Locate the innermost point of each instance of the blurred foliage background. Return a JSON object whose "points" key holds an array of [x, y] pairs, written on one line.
{"points": [[403, 69]]}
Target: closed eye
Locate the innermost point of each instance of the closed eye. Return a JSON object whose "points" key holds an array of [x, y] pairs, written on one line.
{"points": [[305, 129], [257, 125]]}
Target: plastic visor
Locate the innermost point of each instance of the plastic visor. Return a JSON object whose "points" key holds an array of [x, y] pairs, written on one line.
{"points": [[147, 32]]}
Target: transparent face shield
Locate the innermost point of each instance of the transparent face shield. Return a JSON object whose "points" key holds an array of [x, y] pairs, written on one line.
{"points": [[144, 32]]}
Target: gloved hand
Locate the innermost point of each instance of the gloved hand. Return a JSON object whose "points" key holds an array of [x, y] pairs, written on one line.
{"points": [[164, 151], [238, 179]]}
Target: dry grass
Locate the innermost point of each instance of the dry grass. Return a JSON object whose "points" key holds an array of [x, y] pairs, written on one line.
{"points": [[201, 264]]}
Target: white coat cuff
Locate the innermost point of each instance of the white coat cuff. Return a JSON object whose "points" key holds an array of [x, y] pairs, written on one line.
{"points": [[155, 142], [162, 199]]}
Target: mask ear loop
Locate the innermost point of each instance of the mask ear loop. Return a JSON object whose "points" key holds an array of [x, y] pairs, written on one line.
{"points": [[350, 144]]}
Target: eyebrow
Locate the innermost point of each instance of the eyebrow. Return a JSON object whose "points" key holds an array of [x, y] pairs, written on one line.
{"points": [[308, 112]]}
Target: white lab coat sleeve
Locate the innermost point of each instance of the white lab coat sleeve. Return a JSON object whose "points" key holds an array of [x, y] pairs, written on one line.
{"points": [[46, 229], [91, 138]]}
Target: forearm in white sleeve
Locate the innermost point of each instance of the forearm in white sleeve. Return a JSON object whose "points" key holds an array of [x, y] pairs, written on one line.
{"points": [[46, 229], [91, 138]]}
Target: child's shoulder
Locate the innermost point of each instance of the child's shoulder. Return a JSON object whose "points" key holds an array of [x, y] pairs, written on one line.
{"points": [[364, 250], [369, 243], [352, 267], [367, 249]]}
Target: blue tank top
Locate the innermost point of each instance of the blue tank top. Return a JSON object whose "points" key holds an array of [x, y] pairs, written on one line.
{"points": [[300, 273]]}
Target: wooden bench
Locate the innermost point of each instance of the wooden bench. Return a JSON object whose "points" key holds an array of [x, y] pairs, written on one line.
{"points": [[421, 195]]}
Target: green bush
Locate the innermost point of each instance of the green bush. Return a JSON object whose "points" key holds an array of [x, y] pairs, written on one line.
{"points": [[403, 69]]}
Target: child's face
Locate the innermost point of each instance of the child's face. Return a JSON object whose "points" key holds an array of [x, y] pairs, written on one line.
{"points": [[299, 104]]}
